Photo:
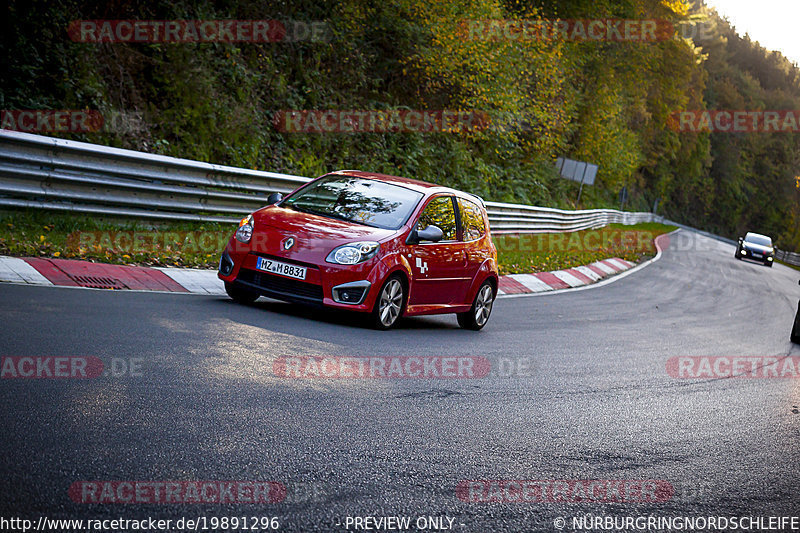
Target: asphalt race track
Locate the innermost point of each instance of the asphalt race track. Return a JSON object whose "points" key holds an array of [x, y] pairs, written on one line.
{"points": [[594, 403]]}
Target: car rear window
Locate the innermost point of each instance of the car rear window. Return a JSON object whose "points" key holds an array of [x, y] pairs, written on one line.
{"points": [[369, 202]]}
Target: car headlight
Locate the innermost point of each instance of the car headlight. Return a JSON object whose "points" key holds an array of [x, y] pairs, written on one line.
{"points": [[245, 231], [353, 253]]}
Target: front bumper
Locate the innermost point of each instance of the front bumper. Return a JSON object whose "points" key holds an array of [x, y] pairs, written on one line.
{"points": [[280, 287], [351, 293], [350, 287], [755, 255]]}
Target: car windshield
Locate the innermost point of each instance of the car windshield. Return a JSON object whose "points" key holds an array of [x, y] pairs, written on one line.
{"points": [[758, 239], [369, 202]]}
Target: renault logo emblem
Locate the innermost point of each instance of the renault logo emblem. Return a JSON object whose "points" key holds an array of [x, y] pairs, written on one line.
{"points": [[288, 243]]}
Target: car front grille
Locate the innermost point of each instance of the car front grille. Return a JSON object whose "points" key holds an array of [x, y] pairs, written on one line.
{"points": [[280, 287]]}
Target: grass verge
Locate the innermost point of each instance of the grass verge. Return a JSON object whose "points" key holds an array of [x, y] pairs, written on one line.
{"points": [[127, 242], [788, 265], [545, 252]]}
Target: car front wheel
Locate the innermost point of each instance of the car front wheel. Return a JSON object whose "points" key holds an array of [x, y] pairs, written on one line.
{"points": [[795, 337], [478, 315], [389, 304], [240, 294]]}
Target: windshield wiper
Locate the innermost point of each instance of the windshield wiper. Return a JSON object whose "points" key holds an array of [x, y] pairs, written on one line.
{"points": [[342, 217], [298, 208], [336, 216]]}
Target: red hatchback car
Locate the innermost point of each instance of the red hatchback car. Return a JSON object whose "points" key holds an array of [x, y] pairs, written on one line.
{"points": [[368, 242]]}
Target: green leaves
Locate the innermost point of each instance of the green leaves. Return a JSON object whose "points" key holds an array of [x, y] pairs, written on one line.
{"points": [[609, 103]]}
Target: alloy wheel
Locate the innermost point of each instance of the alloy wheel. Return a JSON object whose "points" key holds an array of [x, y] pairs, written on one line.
{"points": [[391, 302], [483, 305]]}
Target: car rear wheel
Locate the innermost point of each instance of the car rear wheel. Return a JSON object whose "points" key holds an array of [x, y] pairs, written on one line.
{"points": [[240, 294], [389, 304], [478, 315], [795, 337]]}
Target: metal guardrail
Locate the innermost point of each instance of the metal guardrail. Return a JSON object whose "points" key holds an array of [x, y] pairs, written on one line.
{"points": [[790, 258], [710, 235], [40, 172], [49, 173], [517, 218]]}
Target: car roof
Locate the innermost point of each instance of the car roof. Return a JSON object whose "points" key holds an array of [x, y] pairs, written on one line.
{"points": [[751, 234], [417, 185]]}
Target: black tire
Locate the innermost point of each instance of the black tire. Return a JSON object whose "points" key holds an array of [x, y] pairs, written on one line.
{"points": [[795, 336], [768, 263], [239, 294], [390, 304], [738, 254], [478, 315]]}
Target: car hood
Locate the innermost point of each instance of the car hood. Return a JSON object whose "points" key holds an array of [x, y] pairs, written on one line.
{"points": [[757, 247], [314, 235]]}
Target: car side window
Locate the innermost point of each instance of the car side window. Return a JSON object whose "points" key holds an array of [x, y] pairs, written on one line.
{"points": [[472, 224], [439, 212]]}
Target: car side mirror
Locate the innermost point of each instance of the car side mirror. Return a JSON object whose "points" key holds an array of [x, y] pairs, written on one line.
{"points": [[430, 233], [741, 239], [274, 198]]}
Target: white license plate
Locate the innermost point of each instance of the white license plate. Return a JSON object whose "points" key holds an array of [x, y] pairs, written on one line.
{"points": [[276, 267]]}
